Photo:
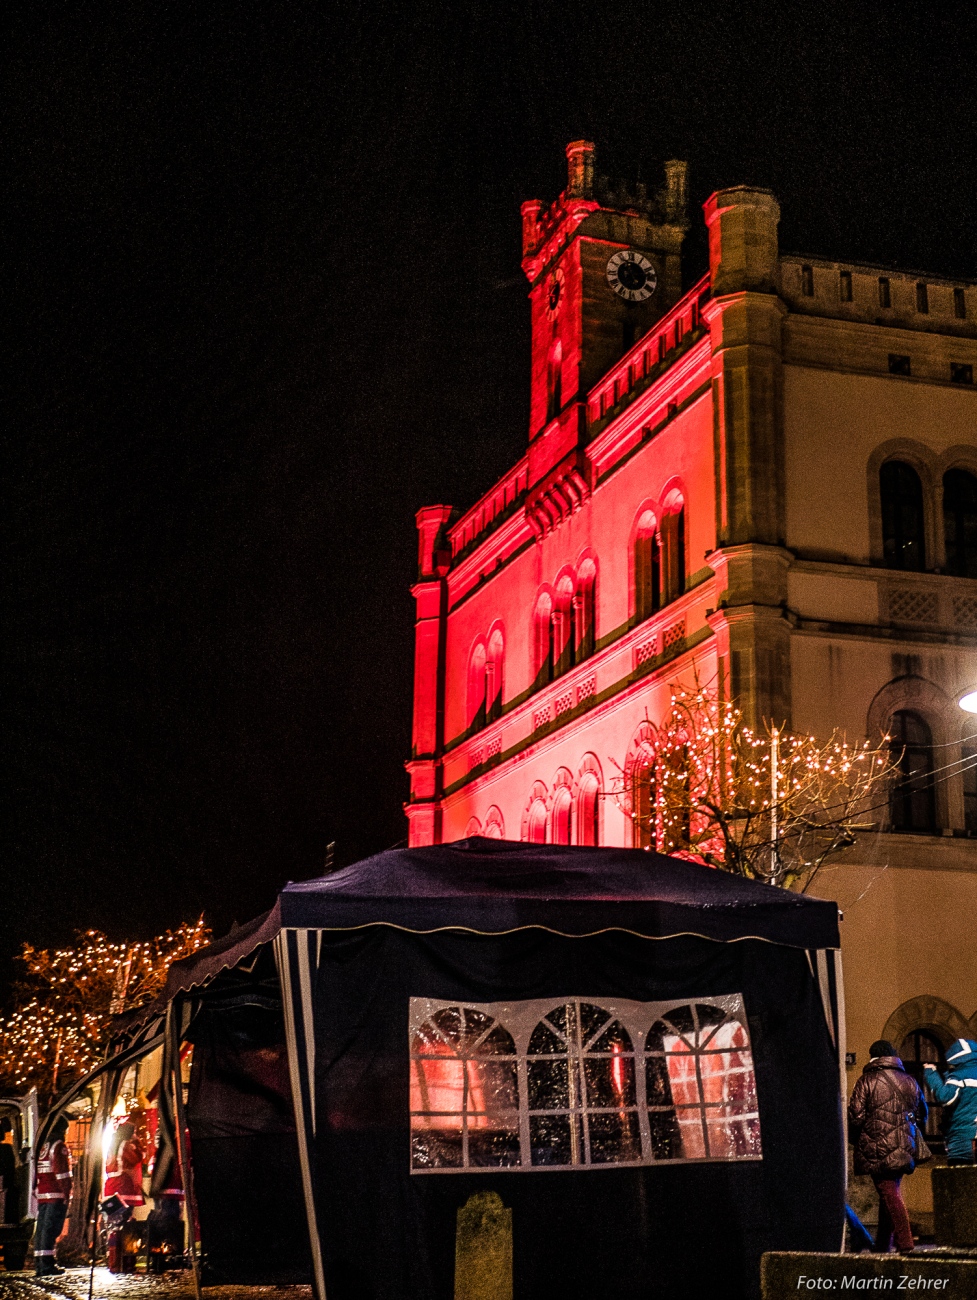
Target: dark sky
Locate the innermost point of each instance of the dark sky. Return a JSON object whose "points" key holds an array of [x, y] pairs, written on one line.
{"points": [[264, 301]]}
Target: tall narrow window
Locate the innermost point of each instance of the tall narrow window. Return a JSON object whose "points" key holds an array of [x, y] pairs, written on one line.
{"points": [[959, 304], [969, 757], [647, 567], [563, 630], [493, 676], [554, 381], [584, 630], [960, 522], [536, 824], [476, 688], [672, 535], [922, 297], [902, 517], [912, 803], [562, 816], [643, 811], [807, 282], [543, 640], [587, 811], [885, 293], [844, 286]]}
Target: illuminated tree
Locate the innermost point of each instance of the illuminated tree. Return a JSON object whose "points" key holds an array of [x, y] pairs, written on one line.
{"points": [[64, 1001], [771, 806]]}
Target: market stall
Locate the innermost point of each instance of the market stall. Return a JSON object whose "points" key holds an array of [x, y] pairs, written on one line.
{"points": [[638, 1056]]}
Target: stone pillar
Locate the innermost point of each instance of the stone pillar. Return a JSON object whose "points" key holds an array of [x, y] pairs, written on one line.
{"points": [[580, 169], [745, 318], [483, 1249], [430, 594]]}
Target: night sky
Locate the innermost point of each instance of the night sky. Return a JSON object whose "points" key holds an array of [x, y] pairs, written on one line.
{"points": [[264, 301]]}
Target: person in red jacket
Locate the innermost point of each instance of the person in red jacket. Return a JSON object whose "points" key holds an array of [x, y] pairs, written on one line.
{"points": [[53, 1184]]}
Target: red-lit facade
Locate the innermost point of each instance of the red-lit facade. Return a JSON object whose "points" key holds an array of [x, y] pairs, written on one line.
{"points": [[554, 616], [767, 482]]}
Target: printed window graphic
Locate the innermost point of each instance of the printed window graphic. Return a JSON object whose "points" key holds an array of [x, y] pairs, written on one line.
{"points": [[580, 1083]]}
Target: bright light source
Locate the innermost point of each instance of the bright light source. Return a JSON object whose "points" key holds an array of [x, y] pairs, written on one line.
{"points": [[968, 702]]}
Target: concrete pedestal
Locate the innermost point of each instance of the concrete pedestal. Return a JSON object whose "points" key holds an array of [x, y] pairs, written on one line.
{"points": [[789, 1273], [955, 1205]]}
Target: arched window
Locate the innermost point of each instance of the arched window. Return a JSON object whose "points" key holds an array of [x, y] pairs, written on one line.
{"points": [[917, 1048], [581, 1085], [476, 687], [554, 381], [494, 824], [960, 522], [672, 545], [643, 809], [474, 827], [584, 613], [912, 803], [536, 823], [562, 816], [464, 1095], [702, 1101], [903, 543], [493, 675], [588, 810], [543, 640], [647, 567], [563, 632]]}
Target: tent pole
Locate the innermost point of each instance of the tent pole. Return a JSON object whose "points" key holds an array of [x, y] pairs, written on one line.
{"points": [[190, 1200], [283, 962]]}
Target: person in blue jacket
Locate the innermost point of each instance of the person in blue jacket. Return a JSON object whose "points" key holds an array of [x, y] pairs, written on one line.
{"points": [[957, 1094]]}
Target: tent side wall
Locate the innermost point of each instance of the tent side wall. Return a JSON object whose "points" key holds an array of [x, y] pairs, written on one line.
{"points": [[690, 1227]]}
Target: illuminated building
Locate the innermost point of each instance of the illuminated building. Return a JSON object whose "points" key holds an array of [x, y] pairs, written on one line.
{"points": [[772, 477]]}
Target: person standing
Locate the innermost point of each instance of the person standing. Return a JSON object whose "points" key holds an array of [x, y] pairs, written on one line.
{"points": [[53, 1195], [886, 1105], [957, 1094]]}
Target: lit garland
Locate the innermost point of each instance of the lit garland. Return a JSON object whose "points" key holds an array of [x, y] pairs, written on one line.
{"points": [[65, 1002], [769, 806]]}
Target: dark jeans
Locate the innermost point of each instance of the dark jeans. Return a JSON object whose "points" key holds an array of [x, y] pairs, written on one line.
{"points": [[50, 1221], [893, 1216]]}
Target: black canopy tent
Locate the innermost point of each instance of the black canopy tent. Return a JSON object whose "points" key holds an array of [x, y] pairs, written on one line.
{"points": [[641, 1056], [415, 956]]}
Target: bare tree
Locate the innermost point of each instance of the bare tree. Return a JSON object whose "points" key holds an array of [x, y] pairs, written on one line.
{"points": [[770, 805], [64, 1001]]}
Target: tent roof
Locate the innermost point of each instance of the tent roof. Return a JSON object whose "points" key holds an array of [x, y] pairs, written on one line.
{"points": [[494, 886]]}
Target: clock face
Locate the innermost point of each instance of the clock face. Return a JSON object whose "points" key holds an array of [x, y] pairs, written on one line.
{"points": [[554, 292], [631, 275]]}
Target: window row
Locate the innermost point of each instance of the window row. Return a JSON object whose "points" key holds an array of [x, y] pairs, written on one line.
{"points": [[571, 813], [844, 284], [570, 1083], [961, 372], [563, 623], [904, 521], [564, 619]]}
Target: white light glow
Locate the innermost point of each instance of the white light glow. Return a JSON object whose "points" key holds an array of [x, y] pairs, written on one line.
{"points": [[968, 702]]}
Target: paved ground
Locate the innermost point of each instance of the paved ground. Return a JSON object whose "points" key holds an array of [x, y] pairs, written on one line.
{"points": [[109, 1286]]}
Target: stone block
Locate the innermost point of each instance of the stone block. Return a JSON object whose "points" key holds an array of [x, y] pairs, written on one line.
{"points": [[955, 1205], [483, 1249], [794, 1273]]}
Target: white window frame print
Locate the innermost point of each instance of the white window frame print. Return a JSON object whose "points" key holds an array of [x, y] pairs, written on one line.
{"points": [[520, 1019]]}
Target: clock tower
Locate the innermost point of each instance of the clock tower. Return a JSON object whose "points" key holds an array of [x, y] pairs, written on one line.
{"points": [[603, 263]]}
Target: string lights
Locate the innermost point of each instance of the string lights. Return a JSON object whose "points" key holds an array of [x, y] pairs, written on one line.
{"points": [[65, 998], [769, 805]]}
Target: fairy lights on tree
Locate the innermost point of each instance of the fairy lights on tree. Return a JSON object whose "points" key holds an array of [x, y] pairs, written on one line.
{"points": [[771, 806], [65, 998]]}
